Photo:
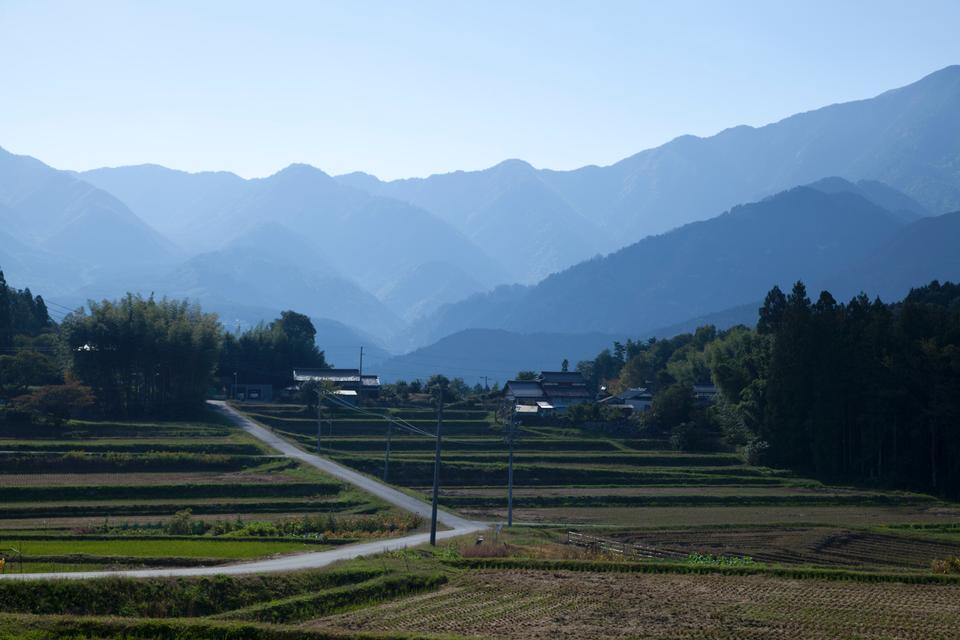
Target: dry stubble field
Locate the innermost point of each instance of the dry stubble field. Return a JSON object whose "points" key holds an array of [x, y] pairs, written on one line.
{"points": [[562, 604]]}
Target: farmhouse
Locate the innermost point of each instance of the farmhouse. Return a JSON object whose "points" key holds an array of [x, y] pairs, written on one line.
{"points": [[637, 398], [705, 393], [348, 382], [252, 392], [550, 391]]}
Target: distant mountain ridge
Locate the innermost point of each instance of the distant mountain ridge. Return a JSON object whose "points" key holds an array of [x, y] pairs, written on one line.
{"points": [[62, 227], [700, 268], [907, 138], [514, 248]]}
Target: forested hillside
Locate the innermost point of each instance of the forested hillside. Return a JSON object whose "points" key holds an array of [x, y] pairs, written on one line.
{"points": [[862, 391], [700, 268]]}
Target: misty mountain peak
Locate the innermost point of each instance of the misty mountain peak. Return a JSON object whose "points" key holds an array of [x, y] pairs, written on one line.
{"points": [[299, 170]]}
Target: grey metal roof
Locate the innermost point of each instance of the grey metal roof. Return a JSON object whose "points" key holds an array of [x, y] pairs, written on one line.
{"points": [[561, 377], [636, 392], [524, 389], [336, 376]]}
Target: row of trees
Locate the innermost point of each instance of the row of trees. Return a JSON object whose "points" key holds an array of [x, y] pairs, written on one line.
{"points": [[21, 315], [136, 356], [28, 342], [860, 390], [268, 353], [143, 356]]}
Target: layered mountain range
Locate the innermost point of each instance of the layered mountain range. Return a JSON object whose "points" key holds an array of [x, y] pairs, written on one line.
{"points": [[483, 270]]}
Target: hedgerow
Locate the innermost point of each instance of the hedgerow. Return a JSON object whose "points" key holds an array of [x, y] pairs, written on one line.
{"points": [[314, 605], [81, 462], [167, 597]]}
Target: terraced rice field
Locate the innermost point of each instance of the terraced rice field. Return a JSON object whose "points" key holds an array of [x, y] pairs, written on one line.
{"points": [[562, 604], [568, 476], [62, 487]]}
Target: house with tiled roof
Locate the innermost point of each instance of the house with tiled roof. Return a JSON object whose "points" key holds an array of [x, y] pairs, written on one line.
{"points": [[550, 391]]}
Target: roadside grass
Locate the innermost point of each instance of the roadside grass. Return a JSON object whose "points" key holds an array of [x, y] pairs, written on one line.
{"points": [[14, 567]]}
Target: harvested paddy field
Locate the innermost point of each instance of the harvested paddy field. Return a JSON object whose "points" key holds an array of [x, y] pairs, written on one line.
{"points": [[563, 604], [820, 546]]}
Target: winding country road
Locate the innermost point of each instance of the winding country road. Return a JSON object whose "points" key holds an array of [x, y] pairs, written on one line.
{"points": [[457, 526]]}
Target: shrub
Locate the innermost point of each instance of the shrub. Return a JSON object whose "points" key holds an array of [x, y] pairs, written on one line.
{"points": [[946, 566], [183, 524], [54, 404], [756, 452]]}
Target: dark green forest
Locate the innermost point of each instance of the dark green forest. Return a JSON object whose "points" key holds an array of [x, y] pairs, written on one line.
{"points": [[864, 391], [268, 353], [135, 356]]}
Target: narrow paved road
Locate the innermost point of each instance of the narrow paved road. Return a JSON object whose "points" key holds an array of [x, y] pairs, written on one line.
{"points": [[457, 526]]}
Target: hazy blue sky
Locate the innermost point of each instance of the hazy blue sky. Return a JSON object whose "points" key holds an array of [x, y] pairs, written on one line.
{"points": [[411, 88]]}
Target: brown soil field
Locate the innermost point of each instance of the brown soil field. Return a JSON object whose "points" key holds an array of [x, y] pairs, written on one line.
{"points": [[837, 516], [572, 605], [823, 546]]}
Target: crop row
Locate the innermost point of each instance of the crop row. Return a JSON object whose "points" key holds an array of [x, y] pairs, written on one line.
{"points": [[574, 501], [353, 427], [82, 462], [77, 429], [798, 573], [417, 473], [226, 448], [454, 444], [589, 458], [115, 560], [160, 491], [204, 508]]}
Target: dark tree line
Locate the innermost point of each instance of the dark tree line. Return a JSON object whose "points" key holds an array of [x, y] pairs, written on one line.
{"points": [[21, 314], [864, 390], [143, 356], [28, 346], [268, 353]]}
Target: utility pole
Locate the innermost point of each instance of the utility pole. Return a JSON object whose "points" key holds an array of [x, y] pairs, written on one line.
{"points": [[486, 383], [319, 414], [386, 459], [360, 381], [436, 468], [510, 437]]}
